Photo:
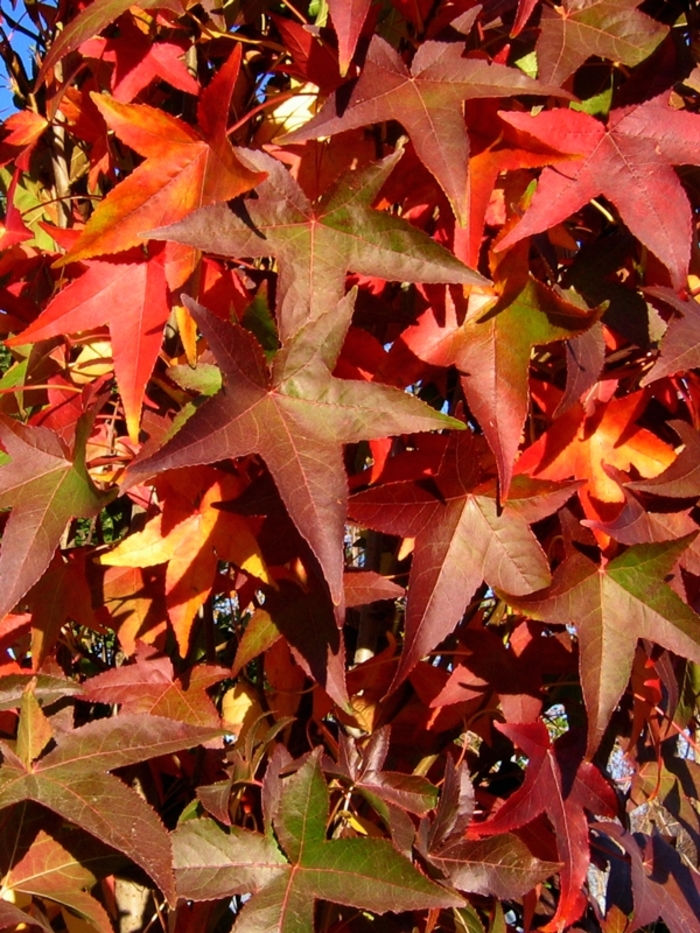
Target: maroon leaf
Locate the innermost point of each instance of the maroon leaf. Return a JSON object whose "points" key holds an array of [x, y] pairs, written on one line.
{"points": [[462, 539], [612, 607], [558, 783], [427, 100], [296, 417], [46, 486], [71, 781], [573, 31]]}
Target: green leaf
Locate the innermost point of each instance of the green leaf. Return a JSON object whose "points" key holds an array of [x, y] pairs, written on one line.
{"points": [[71, 781], [316, 244], [365, 873]]}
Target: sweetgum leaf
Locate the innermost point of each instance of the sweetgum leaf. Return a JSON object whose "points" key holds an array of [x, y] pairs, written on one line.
{"points": [[427, 100], [184, 168], [501, 866], [680, 345], [45, 486], [585, 444], [316, 244], [71, 781], [576, 29], [150, 686], [492, 353], [365, 873], [462, 538], [47, 687], [296, 416], [130, 295], [628, 161], [559, 784], [348, 18], [11, 916], [92, 20], [612, 607], [682, 478], [61, 871]]}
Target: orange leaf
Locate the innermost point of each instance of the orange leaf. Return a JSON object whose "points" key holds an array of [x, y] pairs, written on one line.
{"points": [[184, 169]]}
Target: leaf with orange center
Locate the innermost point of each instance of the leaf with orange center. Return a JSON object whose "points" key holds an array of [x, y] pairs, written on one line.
{"points": [[185, 168], [192, 535], [579, 445]]}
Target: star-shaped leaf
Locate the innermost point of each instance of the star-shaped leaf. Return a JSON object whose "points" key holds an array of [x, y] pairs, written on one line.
{"points": [[317, 244], [296, 416], [183, 169], [427, 100], [72, 780], [462, 539], [130, 295], [681, 478], [559, 784], [581, 446], [573, 30], [628, 161], [192, 536], [680, 345], [361, 872], [149, 685], [44, 857], [45, 486], [138, 61], [348, 18], [612, 606], [492, 352], [91, 21]]}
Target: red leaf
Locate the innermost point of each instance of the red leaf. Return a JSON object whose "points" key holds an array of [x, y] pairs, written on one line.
{"points": [[559, 784]]}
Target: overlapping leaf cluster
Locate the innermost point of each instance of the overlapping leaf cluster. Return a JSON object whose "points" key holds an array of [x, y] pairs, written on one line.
{"points": [[350, 466]]}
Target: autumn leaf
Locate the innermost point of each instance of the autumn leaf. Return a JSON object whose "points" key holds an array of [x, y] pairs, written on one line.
{"points": [[316, 244], [11, 916], [72, 781], [680, 345], [92, 20], [580, 445], [577, 29], [462, 539], [45, 858], [628, 161], [663, 885], [185, 168], [427, 100], [46, 486], [681, 479], [138, 61], [348, 18], [612, 607], [129, 294], [192, 536], [286, 879], [296, 416], [150, 685], [492, 351], [558, 783], [61, 594]]}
